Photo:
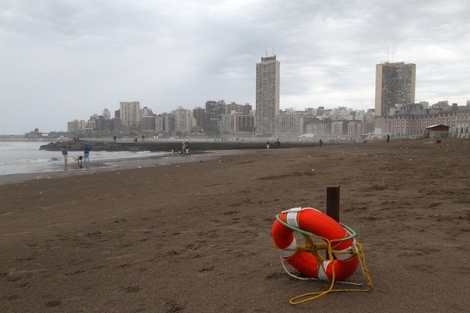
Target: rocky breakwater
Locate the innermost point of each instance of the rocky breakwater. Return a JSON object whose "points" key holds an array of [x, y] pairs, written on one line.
{"points": [[164, 146]]}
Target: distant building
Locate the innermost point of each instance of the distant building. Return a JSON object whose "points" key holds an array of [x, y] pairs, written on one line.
{"points": [[247, 109], [237, 119], [244, 123], [184, 120], [147, 123], [233, 107], [214, 112], [199, 114], [413, 123], [267, 96], [106, 114], [394, 85], [130, 115], [159, 123], [147, 120], [290, 123], [168, 123], [116, 122], [102, 124], [354, 129], [76, 126], [146, 112]]}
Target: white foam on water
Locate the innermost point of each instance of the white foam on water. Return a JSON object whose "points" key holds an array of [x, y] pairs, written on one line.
{"points": [[19, 157]]}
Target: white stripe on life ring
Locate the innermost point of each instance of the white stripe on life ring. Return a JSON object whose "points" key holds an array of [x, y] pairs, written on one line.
{"points": [[292, 219], [290, 250], [346, 253], [321, 271]]}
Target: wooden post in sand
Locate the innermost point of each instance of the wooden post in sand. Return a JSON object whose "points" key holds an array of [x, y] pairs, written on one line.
{"points": [[332, 202]]}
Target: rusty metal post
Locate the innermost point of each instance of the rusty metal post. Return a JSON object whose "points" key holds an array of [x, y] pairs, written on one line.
{"points": [[332, 202]]}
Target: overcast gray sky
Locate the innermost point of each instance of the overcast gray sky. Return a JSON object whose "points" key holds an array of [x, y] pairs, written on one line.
{"points": [[62, 60]]}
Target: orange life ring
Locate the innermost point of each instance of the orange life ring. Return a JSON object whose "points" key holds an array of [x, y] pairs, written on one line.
{"points": [[319, 224]]}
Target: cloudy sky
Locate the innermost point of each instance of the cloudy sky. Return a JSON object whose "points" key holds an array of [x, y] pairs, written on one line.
{"points": [[62, 60]]}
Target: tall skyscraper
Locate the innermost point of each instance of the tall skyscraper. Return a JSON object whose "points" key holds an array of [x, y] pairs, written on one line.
{"points": [[394, 84], [267, 96]]}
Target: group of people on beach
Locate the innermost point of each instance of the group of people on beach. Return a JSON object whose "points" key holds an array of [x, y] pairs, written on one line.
{"points": [[184, 149], [81, 159]]}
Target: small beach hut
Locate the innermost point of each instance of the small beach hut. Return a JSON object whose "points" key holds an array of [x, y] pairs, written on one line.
{"points": [[434, 131]]}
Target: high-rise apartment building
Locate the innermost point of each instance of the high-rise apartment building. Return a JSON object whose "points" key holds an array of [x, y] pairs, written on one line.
{"points": [[394, 85], [130, 114], [214, 112], [199, 114], [184, 120], [267, 96]]}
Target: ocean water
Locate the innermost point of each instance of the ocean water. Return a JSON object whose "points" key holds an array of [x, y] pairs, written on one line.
{"points": [[19, 157]]}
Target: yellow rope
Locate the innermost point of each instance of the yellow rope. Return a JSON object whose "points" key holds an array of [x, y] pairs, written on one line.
{"points": [[313, 248]]}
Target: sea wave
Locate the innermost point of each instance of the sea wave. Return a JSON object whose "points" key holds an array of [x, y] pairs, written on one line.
{"points": [[27, 161], [25, 157]]}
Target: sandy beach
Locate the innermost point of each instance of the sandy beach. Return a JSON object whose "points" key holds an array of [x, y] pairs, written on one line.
{"points": [[194, 234]]}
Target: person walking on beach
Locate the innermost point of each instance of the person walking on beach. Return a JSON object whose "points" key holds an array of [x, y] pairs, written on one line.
{"points": [[65, 154], [86, 153], [186, 148]]}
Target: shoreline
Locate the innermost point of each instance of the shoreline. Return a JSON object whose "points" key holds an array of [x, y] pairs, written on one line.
{"points": [[196, 156], [118, 165]]}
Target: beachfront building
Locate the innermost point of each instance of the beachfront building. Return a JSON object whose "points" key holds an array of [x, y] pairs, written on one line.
{"points": [[354, 129], [412, 124], [130, 115], [290, 122], [321, 128], [267, 96], [394, 86]]}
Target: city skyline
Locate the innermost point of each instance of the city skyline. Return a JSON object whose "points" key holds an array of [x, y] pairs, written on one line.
{"points": [[62, 60], [232, 119]]}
